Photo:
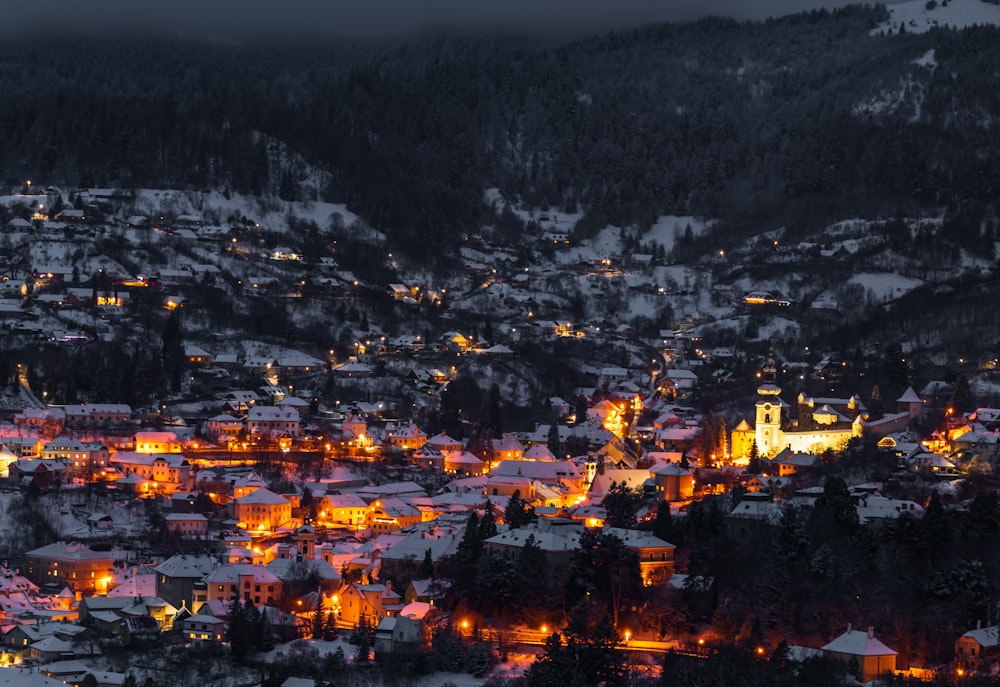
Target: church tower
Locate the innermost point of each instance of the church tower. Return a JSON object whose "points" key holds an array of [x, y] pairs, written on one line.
{"points": [[769, 405]]}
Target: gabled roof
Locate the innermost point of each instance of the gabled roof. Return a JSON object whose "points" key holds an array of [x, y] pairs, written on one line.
{"points": [[909, 396], [859, 643], [262, 496], [986, 637]]}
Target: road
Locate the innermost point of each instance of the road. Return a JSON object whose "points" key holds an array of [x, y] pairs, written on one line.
{"points": [[26, 392], [538, 638]]}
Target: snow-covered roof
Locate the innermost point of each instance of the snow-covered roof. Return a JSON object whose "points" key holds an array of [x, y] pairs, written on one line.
{"points": [[859, 643]]}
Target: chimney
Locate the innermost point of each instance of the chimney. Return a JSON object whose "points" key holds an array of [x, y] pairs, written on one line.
{"points": [[849, 627], [871, 632], [979, 624]]}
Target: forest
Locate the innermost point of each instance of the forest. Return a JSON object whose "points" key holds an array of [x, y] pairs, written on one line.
{"points": [[790, 122]]}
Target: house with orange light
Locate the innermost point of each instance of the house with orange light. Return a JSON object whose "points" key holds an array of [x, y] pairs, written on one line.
{"points": [[70, 565], [85, 458], [369, 601], [273, 421], [506, 447], [223, 428], [244, 581], [48, 421], [462, 463], [428, 458], [978, 648], [243, 485], [656, 556], [864, 650], [197, 356], [156, 442], [349, 511], [406, 437], [262, 511], [442, 442], [164, 473], [389, 514], [672, 482]]}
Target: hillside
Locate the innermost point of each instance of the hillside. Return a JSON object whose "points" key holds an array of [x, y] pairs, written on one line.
{"points": [[794, 122]]}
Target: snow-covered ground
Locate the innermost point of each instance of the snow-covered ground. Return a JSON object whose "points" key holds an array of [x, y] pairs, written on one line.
{"points": [[885, 286], [915, 16], [669, 228], [271, 214]]}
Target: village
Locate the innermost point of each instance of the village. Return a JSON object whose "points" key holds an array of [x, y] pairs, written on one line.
{"points": [[320, 484]]}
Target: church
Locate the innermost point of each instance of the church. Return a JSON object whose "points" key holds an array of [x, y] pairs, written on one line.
{"points": [[820, 424]]}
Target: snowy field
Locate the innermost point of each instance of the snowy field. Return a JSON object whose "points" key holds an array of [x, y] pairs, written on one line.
{"points": [[885, 286], [668, 228], [959, 14]]}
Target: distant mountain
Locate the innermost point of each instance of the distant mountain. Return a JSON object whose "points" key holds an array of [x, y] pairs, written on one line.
{"points": [[792, 122]]}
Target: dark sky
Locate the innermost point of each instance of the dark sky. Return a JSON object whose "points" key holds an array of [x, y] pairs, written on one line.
{"points": [[366, 17]]}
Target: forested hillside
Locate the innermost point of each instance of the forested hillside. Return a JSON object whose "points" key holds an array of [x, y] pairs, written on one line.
{"points": [[792, 122]]}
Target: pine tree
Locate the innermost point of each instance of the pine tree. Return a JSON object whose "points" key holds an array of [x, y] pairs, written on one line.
{"points": [[426, 566], [488, 524], [362, 637], [467, 556], [552, 442], [330, 627], [663, 526], [518, 513], [318, 620], [621, 504], [173, 352]]}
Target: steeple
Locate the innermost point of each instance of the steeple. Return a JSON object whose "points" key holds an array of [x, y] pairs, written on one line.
{"points": [[768, 385]]}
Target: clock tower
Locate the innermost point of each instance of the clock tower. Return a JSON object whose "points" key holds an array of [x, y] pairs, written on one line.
{"points": [[769, 410]]}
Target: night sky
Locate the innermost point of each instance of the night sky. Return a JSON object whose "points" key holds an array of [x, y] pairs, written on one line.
{"points": [[245, 18]]}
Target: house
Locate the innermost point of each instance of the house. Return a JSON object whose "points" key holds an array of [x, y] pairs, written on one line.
{"points": [[273, 421], [407, 437], [70, 565], [40, 472], [103, 415], [872, 657], [85, 458], [656, 556], [262, 511], [462, 463], [506, 447], [156, 442], [442, 442], [244, 581], [223, 428], [241, 401], [390, 514], [677, 380], [48, 421], [672, 482], [557, 538], [342, 510], [369, 601], [203, 628], [752, 515], [188, 525], [978, 648], [113, 610], [162, 472], [179, 576], [407, 631]]}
